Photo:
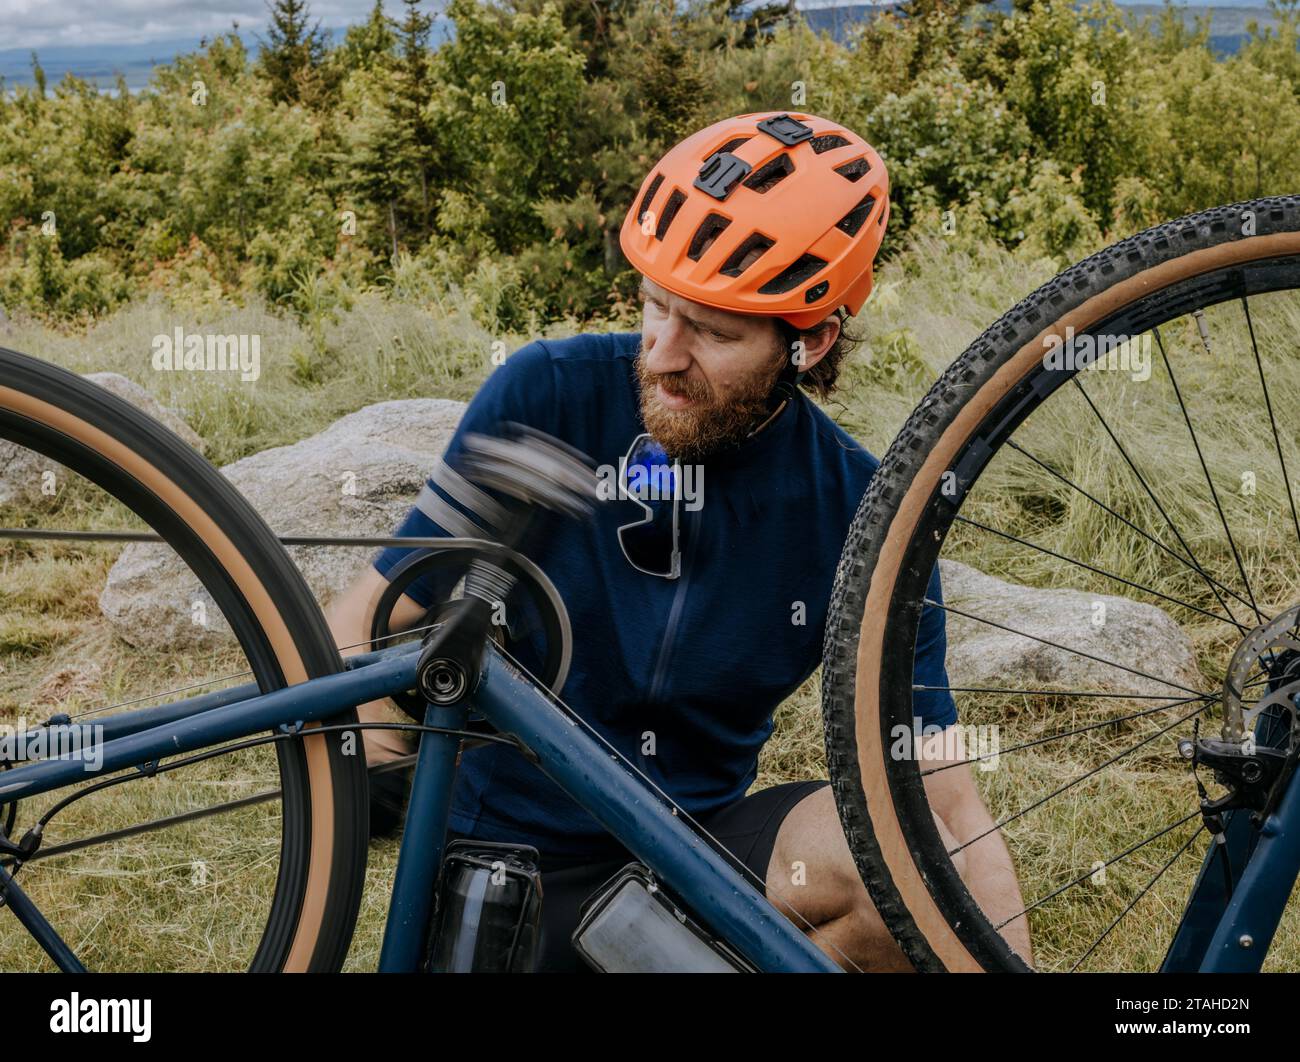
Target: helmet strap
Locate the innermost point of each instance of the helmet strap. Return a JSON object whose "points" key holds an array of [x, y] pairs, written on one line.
{"points": [[787, 384], [786, 388]]}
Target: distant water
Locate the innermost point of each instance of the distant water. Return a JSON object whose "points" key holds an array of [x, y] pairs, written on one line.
{"points": [[101, 64]]}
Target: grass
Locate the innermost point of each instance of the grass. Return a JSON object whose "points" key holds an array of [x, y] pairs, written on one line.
{"points": [[148, 903]]}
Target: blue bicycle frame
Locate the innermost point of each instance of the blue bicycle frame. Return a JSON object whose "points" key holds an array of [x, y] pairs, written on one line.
{"points": [[1226, 928], [692, 870]]}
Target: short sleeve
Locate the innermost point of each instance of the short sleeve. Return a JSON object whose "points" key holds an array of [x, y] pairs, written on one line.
{"points": [[522, 389], [935, 705]]}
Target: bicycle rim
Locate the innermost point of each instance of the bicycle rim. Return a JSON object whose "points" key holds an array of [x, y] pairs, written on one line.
{"points": [[310, 845], [973, 450]]}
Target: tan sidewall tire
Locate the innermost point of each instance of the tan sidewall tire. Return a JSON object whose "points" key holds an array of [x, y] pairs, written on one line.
{"points": [[905, 485], [291, 631]]}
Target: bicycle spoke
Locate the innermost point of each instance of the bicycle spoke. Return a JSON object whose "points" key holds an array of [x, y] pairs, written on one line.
{"points": [[1063, 648], [164, 693], [1209, 580], [1272, 420], [1133, 903], [1108, 863], [1067, 733], [1196, 443], [397, 763], [1149, 492], [1071, 784], [1091, 568], [1056, 693]]}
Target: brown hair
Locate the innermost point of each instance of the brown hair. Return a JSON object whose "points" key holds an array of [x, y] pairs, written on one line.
{"points": [[822, 377]]}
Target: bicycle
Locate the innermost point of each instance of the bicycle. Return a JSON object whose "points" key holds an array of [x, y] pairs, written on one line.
{"points": [[287, 883]]}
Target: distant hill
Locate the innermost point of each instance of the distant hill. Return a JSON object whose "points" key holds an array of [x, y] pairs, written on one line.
{"points": [[100, 64], [1227, 28], [1228, 24]]}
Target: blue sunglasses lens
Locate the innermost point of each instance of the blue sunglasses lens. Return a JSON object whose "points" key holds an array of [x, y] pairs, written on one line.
{"points": [[651, 544]]}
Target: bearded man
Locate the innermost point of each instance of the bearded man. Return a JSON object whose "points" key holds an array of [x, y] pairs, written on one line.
{"points": [[696, 614]]}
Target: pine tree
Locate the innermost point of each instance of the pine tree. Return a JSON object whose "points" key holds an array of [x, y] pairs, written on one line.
{"points": [[369, 42], [294, 53], [375, 165], [408, 102], [38, 75]]}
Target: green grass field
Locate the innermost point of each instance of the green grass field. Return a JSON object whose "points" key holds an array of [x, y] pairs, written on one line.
{"points": [[192, 897]]}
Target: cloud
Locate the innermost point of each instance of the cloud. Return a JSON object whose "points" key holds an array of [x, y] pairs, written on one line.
{"points": [[40, 24]]}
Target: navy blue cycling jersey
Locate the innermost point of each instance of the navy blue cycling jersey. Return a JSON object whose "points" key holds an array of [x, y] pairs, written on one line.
{"points": [[681, 675]]}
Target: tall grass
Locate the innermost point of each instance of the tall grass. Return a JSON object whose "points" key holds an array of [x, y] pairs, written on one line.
{"points": [[929, 304]]}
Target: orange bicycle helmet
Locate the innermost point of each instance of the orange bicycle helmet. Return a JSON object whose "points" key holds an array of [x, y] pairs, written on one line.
{"points": [[770, 213]]}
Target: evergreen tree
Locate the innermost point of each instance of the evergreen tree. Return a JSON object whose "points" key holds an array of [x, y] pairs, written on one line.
{"points": [[375, 167], [592, 26], [410, 99], [293, 53], [369, 42], [38, 75]]}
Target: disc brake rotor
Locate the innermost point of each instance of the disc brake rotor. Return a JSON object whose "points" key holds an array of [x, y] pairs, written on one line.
{"points": [[1277, 635]]}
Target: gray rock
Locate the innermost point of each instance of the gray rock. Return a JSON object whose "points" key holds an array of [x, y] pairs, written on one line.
{"points": [[146, 403], [1136, 635], [22, 471], [357, 477]]}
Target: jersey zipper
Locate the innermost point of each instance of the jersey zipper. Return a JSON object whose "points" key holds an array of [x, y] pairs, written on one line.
{"points": [[674, 614]]}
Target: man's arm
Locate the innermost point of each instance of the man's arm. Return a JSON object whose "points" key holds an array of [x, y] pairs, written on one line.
{"points": [[986, 865], [523, 390], [349, 616]]}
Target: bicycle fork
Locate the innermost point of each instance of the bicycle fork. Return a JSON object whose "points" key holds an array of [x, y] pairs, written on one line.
{"points": [[1242, 889]]}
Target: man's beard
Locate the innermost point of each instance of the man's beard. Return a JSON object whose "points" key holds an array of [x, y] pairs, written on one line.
{"points": [[708, 425]]}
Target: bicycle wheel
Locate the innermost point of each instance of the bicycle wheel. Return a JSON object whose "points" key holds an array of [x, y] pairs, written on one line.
{"points": [[275, 882], [1173, 492]]}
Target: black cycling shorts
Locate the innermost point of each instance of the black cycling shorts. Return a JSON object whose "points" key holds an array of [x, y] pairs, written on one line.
{"points": [[747, 829]]}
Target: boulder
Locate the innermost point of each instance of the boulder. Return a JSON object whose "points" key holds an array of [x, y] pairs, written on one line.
{"points": [[1136, 635], [358, 477], [22, 470]]}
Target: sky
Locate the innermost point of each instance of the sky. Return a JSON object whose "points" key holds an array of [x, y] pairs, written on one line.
{"points": [[69, 23]]}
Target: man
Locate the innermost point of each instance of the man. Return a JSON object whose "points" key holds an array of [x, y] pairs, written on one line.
{"points": [[755, 237]]}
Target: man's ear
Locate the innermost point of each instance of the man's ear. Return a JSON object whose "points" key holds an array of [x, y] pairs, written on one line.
{"points": [[817, 342]]}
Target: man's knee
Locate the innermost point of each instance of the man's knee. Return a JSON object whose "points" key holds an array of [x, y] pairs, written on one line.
{"points": [[811, 867]]}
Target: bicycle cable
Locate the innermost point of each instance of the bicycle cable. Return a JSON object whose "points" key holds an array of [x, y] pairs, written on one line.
{"points": [[414, 542]]}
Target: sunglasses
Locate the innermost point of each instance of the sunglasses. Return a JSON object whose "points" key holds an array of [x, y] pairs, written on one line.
{"points": [[652, 544]]}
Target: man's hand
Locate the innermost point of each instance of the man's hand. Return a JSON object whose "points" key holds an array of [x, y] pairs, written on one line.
{"points": [[349, 616]]}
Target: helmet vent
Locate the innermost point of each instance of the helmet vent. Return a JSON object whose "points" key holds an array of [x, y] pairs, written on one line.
{"points": [[710, 229], [736, 264], [853, 220], [827, 142], [732, 144], [801, 269], [649, 196], [853, 170], [673, 205], [767, 176]]}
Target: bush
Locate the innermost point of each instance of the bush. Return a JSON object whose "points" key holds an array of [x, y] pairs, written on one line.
{"points": [[502, 164]]}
